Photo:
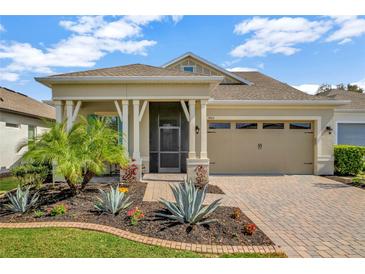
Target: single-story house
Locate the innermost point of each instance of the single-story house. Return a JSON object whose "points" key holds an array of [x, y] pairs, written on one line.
{"points": [[350, 118], [21, 118], [191, 112]]}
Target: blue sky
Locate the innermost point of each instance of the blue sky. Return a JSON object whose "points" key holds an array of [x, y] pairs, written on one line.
{"points": [[303, 51]]}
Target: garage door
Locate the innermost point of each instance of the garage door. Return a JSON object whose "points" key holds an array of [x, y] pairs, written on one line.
{"points": [[249, 147], [351, 134]]}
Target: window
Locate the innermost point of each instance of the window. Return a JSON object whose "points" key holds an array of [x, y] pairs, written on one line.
{"points": [[11, 125], [273, 126], [219, 125], [300, 125], [246, 125], [31, 132], [188, 68]]}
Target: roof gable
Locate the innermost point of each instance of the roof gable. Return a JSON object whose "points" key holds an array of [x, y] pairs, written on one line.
{"points": [[205, 67]]}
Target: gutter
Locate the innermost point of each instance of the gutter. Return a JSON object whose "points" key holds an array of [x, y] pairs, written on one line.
{"points": [[48, 81], [279, 102]]}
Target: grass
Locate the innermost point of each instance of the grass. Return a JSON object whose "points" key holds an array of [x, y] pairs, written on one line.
{"points": [[8, 183], [76, 243]]}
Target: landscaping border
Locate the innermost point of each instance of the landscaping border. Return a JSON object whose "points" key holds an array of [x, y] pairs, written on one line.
{"points": [[211, 249]]}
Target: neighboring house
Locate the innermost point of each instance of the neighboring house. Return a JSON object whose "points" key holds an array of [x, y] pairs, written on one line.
{"points": [[20, 120], [191, 112], [349, 119]]}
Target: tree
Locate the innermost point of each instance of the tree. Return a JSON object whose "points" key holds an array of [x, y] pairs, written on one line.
{"points": [[354, 88], [80, 153], [324, 88]]}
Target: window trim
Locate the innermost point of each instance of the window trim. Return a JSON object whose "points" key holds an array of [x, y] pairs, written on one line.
{"points": [[271, 123], [249, 123], [185, 66], [228, 123], [310, 125]]}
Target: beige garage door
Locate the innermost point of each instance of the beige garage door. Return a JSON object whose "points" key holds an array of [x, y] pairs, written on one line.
{"points": [[250, 147]]}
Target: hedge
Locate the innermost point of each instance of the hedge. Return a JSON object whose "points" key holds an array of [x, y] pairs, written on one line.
{"points": [[349, 160]]}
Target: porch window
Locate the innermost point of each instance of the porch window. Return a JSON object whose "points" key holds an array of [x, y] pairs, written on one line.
{"points": [[31, 133]]}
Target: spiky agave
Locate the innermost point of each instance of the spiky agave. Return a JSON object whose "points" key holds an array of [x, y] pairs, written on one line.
{"points": [[112, 201], [188, 206], [21, 201]]}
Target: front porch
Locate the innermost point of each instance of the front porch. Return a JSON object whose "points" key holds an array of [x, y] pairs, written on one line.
{"points": [[161, 136]]}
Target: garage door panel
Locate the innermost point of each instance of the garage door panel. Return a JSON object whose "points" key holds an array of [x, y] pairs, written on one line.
{"points": [[261, 151]]}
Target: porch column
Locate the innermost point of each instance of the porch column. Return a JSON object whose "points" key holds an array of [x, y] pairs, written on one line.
{"points": [[136, 153], [69, 114], [59, 111], [203, 129], [125, 104], [192, 154]]}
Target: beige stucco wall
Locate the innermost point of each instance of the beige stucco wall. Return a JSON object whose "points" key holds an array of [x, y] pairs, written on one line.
{"points": [[11, 137], [324, 145], [129, 91]]}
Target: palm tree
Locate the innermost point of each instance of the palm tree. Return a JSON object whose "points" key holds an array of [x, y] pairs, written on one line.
{"points": [[79, 153], [99, 145]]}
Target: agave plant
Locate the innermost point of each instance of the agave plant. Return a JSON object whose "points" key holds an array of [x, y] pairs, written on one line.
{"points": [[188, 206], [112, 201], [21, 201]]}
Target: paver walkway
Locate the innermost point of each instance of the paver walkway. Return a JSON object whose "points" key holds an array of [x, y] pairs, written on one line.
{"points": [[307, 216]]}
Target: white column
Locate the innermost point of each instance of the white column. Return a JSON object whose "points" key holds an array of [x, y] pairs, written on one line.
{"points": [[69, 114], [203, 129], [192, 154], [125, 104], [59, 111], [136, 153]]}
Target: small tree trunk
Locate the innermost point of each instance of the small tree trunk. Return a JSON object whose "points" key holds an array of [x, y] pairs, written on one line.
{"points": [[87, 177], [72, 186]]}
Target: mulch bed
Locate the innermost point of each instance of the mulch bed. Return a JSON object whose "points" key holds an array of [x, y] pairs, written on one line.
{"points": [[80, 208]]}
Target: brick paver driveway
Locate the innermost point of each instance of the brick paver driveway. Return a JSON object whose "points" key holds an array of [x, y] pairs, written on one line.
{"points": [[308, 216]]}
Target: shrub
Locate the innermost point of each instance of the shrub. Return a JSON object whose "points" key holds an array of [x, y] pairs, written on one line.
{"points": [[38, 213], [59, 209], [236, 213], [129, 173], [112, 201], [22, 201], [188, 206], [349, 160], [201, 176], [135, 215], [249, 229], [32, 174]]}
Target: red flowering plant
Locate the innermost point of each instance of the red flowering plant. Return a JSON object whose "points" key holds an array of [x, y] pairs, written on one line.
{"points": [[201, 176], [135, 215], [249, 229], [129, 173]]}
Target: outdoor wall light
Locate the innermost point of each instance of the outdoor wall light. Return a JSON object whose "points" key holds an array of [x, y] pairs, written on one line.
{"points": [[329, 129], [197, 129]]}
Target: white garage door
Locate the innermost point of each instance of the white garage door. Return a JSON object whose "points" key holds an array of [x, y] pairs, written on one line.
{"points": [[251, 147], [351, 134]]}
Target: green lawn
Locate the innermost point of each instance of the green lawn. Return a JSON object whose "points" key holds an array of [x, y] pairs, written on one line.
{"points": [[8, 183], [75, 243]]}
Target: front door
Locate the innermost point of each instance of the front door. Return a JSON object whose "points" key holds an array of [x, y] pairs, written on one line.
{"points": [[169, 149]]}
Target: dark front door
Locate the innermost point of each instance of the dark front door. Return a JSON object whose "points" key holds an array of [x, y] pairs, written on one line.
{"points": [[168, 142]]}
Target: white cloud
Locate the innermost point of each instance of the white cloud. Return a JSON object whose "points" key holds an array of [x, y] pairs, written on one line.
{"points": [[279, 35], [349, 26], [2, 28], [242, 69], [91, 38], [308, 88], [345, 41], [176, 18]]}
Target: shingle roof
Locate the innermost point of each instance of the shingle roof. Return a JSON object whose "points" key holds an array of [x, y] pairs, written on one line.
{"points": [[14, 101], [130, 70], [263, 88], [357, 99]]}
